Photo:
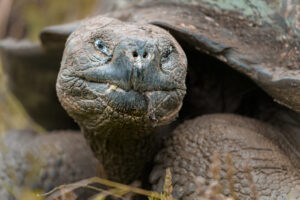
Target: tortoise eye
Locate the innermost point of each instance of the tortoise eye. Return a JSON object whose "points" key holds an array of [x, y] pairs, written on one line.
{"points": [[166, 53], [99, 44]]}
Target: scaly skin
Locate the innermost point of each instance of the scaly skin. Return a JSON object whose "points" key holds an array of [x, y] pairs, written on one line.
{"points": [[122, 92], [189, 152], [119, 96]]}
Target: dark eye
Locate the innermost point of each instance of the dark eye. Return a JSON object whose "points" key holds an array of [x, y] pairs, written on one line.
{"points": [[166, 53], [99, 44]]}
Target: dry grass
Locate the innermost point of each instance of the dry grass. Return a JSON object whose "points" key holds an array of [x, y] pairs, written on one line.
{"points": [[213, 191], [12, 116]]}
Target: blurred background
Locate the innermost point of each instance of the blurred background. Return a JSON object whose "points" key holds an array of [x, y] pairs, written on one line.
{"points": [[23, 19]]}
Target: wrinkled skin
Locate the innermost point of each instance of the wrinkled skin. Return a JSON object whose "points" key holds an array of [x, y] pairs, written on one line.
{"points": [[119, 96], [252, 147], [278, 20], [110, 81]]}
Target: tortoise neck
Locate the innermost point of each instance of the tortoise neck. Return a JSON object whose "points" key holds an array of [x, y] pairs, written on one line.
{"points": [[125, 154]]}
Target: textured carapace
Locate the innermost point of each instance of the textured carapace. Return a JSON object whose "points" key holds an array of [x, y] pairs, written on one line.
{"points": [[121, 79]]}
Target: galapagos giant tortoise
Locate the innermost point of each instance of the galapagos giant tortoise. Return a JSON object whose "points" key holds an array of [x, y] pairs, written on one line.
{"points": [[204, 76]]}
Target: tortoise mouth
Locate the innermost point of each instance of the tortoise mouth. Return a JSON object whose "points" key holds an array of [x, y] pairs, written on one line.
{"points": [[129, 102], [152, 104], [127, 81], [112, 86]]}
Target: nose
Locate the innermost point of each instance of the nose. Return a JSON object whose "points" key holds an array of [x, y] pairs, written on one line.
{"points": [[136, 54], [138, 60], [144, 59], [134, 65], [141, 50]]}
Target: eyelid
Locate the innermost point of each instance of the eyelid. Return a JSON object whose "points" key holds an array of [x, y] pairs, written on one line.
{"points": [[168, 51], [104, 48], [99, 41]]}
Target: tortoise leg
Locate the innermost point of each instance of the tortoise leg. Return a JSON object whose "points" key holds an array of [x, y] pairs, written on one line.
{"points": [[259, 165], [43, 161]]}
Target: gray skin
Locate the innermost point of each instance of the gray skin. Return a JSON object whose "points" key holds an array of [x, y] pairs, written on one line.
{"points": [[122, 98], [133, 82], [121, 91]]}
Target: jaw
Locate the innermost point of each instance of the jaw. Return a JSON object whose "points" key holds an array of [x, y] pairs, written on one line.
{"points": [[123, 140], [139, 76], [99, 105], [121, 95]]}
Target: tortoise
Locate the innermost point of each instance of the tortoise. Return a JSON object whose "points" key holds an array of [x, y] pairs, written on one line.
{"points": [[168, 84]]}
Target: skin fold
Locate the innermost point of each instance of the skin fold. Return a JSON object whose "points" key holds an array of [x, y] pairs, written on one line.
{"points": [[134, 83], [123, 86], [143, 98]]}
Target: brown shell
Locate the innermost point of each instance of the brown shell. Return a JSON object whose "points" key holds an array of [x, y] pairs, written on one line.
{"points": [[257, 38]]}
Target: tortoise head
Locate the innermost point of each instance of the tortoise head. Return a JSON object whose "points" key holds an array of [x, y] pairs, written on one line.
{"points": [[115, 72]]}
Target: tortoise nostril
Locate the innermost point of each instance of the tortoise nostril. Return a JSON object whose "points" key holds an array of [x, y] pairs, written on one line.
{"points": [[145, 54], [134, 54]]}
